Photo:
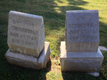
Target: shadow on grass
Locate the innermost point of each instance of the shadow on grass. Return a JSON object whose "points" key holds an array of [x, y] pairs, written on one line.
{"points": [[70, 75], [13, 72], [79, 76], [103, 34]]}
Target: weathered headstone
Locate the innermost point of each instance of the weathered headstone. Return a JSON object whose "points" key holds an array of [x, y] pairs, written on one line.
{"points": [[25, 33], [80, 50], [82, 31], [26, 41]]}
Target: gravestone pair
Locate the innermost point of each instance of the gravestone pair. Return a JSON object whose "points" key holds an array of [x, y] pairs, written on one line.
{"points": [[79, 51]]}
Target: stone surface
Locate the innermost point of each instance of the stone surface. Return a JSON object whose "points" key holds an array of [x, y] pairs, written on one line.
{"points": [[82, 31], [96, 74], [80, 61], [30, 61], [25, 33], [103, 48]]}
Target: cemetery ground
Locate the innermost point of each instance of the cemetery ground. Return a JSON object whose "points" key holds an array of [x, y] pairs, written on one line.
{"points": [[54, 12]]}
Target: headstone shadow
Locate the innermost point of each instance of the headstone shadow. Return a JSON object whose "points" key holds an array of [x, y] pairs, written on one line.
{"points": [[21, 73], [77, 76]]}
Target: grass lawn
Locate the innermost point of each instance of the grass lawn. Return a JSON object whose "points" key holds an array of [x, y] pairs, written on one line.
{"points": [[53, 12]]}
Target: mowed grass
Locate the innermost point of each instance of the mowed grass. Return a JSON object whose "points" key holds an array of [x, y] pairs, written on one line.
{"points": [[53, 12]]}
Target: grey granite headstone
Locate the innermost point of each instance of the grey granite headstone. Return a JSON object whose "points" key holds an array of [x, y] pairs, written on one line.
{"points": [[80, 51], [25, 33], [26, 41], [82, 31]]}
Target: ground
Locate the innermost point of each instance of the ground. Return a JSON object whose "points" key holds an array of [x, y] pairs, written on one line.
{"points": [[54, 13]]}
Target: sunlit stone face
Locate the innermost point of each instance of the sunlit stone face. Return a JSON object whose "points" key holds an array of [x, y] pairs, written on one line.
{"points": [[82, 31], [25, 33]]}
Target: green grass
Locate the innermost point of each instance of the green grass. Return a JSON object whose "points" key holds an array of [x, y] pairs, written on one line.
{"points": [[53, 12]]}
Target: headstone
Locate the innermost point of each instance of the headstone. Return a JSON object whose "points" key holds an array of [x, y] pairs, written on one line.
{"points": [[80, 51], [25, 33], [26, 41], [82, 31]]}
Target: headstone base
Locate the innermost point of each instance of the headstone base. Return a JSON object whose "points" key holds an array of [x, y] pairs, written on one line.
{"points": [[80, 61], [30, 61]]}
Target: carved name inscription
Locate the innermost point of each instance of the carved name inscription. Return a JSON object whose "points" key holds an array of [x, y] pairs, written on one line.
{"points": [[23, 21], [82, 26], [23, 29], [22, 36]]}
